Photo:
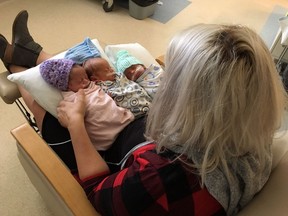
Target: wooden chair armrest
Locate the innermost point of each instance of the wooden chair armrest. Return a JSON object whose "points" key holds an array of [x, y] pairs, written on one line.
{"points": [[161, 60], [53, 170]]}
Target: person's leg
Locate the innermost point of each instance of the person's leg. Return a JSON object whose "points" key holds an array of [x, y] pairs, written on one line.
{"points": [[40, 58], [128, 138], [32, 105], [56, 136], [43, 56], [23, 51]]}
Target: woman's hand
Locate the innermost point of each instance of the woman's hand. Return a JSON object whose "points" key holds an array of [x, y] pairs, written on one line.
{"points": [[70, 113]]}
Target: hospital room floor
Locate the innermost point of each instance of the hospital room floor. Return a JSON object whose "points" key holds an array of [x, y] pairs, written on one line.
{"points": [[59, 24]]}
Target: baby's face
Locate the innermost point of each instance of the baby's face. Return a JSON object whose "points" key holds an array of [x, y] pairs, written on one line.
{"points": [[99, 70], [78, 79], [134, 72]]}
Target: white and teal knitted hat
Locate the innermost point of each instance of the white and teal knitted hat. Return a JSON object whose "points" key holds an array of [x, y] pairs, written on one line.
{"points": [[125, 60]]}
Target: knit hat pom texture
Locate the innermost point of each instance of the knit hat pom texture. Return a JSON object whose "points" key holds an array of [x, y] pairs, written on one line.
{"points": [[125, 60], [56, 72]]}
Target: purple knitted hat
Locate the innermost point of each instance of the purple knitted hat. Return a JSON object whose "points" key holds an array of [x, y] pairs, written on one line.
{"points": [[56, 72]]}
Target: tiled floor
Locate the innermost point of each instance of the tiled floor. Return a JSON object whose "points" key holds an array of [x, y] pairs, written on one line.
{"points": [[59, 24]]}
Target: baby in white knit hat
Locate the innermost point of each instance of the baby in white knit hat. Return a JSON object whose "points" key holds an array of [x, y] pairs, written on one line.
{"points": [[148, 77], [126, 93]]}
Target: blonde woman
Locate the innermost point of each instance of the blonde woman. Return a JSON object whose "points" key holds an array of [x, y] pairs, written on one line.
{"points": [[211, 126]]}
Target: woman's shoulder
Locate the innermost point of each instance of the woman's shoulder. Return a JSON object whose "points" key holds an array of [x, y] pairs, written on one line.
{"points": [[147, 157]]}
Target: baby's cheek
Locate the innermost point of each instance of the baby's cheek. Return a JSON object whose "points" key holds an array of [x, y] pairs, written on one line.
{"points": [[128, 71]]}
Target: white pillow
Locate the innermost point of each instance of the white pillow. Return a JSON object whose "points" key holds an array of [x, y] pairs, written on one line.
{"points": [[135, 49], [46, 95], [49, 97]]}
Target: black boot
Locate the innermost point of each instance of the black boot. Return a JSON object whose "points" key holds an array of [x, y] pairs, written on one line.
{"points": [[3, 45], [25, 49], [3, 50]]}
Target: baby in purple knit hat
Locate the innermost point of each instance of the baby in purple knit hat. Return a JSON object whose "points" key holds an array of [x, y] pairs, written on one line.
{"points": [[64, 74], [104, 120]]}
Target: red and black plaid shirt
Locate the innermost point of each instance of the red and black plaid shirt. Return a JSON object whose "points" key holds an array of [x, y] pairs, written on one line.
{"points": [[152, 184]]}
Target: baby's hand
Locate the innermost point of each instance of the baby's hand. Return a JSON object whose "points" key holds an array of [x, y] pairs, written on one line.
{"points": [[70, 113]]}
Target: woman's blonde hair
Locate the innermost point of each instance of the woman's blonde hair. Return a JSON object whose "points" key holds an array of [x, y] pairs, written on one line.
{"points": [[220, 97]]}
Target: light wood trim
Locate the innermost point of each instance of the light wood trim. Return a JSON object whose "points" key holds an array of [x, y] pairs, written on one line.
{"points": [[54, 170], [161, 60]]}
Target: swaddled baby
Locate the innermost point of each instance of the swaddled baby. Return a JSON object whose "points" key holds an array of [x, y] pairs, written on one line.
{"points": [[148, 78], [104, 120]]}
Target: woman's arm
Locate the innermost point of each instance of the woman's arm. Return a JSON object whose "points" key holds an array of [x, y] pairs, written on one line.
{"points": [[71, 115]]}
